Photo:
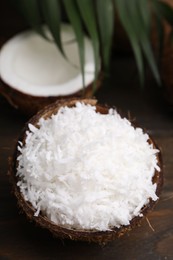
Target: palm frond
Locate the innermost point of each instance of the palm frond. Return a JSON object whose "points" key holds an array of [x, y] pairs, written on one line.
{"points": [[105, 16], [128, 21], [74, 18], [86, 8], [164, 10], [144, 15], [97, 17], [52, 15], [32, 14], [135, 16]]}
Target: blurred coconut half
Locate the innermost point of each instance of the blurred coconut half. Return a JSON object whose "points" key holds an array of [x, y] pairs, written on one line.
{"points": [[84, 173], [34, 73]]}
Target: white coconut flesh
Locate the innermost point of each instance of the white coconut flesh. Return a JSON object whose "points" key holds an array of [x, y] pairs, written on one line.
{"points": [[35, 66], [86, 170]]}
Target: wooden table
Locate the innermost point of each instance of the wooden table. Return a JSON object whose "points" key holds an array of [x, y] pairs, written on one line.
{"points": [[20, 239]]}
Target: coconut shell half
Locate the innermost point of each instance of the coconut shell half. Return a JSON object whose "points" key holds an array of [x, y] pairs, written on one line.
{"points": [[30, 105], [34, 73], [100, 237]]}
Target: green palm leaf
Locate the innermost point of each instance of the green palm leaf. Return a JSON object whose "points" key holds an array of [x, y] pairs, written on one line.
{"points": [[159, 30], [97, 17], [135, 17], [126, 19], [73, 15], [52, 15], [143, 17], [105, 15], [164, 10], [31, 12], [86, 8]]}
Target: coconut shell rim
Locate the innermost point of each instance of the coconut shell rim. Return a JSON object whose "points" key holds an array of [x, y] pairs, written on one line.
{"points": [[29, 104]]}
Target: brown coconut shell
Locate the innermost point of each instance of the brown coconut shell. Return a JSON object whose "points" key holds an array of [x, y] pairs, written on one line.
{"points": [[30, 105], [100, 237]]}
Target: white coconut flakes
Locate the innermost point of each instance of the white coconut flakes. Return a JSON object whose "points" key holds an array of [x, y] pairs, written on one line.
{"points": [[86, 170]]}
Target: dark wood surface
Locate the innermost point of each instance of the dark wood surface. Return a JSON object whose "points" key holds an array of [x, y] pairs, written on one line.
{"points": [[20, 239]]}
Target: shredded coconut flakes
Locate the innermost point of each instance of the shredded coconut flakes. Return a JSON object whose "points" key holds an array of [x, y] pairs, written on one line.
{"points": [[86, 170]]}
